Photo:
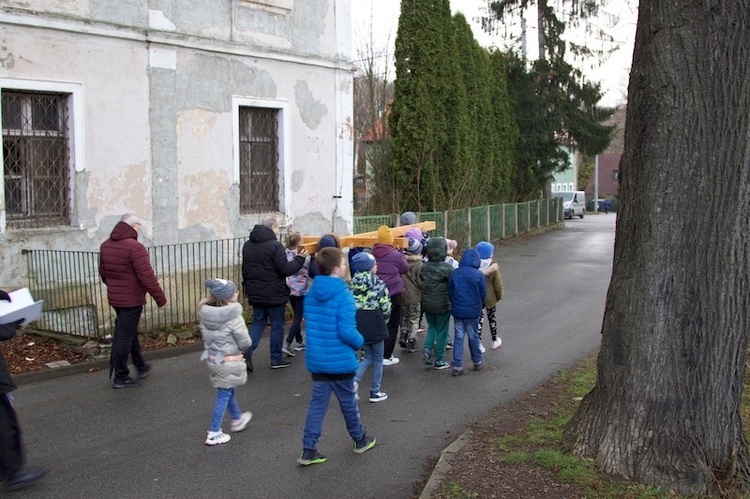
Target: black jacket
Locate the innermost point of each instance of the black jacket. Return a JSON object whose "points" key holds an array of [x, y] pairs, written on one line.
{"points": [[371, 325], [7, 331], [265, 268]]}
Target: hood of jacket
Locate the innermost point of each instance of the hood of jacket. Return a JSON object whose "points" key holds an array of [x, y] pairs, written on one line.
{"points": [[123, 231], [379, 250], [437, 249], [325, 287], [261, 233], [470, 258], [214, 317]]}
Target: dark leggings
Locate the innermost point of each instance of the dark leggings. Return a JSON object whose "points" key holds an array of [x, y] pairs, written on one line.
{"points": [[393, 323], [295, 331]]}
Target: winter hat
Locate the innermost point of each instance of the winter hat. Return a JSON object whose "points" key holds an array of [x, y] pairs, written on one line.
{"points": [[362, 262], [414, 246], [415, 233], [451, 244], [385, 236], [221, 289], [485, 249], [408, 218], [327, 241]]}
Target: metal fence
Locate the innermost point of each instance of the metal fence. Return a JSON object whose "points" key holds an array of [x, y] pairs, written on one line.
{"points": [[75, 299]]}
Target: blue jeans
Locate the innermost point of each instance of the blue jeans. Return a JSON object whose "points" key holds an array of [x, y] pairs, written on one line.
{"points": [[224, 398], [316, 413], [374, 356], [261, 315], [465, 327]]}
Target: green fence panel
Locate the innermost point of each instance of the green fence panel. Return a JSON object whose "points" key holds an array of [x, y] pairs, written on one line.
{"points": [[458, 227], [478, 225], [522, 217], [370, 223], [511, 222], [496, 222], [434, 216], [533, 215]]}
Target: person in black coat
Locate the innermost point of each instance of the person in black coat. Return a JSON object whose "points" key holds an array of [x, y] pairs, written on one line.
{"points": [[264, 272], [12, 470]]}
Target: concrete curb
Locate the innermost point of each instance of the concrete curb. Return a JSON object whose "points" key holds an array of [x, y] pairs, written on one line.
{"points": [[443, 465], [96, 365]]}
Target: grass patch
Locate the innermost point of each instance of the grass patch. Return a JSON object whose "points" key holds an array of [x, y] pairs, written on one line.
{"points": [[455, 491]]}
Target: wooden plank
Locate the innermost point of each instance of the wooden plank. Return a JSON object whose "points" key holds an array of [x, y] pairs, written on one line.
{"points": [[368, 239]]}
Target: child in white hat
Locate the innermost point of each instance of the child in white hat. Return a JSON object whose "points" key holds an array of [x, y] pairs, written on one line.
{"points": [[225, 337]]}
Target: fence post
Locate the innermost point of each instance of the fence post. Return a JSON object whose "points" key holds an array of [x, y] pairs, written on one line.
{"points": [[487, 225], [468, 227]]}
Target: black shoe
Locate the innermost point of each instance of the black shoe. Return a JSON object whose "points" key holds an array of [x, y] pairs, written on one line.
{"points": [[249, 364], [24, 477], [280, 364], [364, 444], [126, 383], [309, 457], [402, 342], [411, 346], [146, 372]]}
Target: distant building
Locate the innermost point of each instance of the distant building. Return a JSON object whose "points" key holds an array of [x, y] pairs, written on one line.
{"points": [[609, 177]]}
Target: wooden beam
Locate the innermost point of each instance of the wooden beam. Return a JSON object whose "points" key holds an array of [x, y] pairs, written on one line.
{"points": [[368, 239]]}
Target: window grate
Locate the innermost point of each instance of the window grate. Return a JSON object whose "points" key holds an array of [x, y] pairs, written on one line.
{"points": [[259, 160], [35, 159]]}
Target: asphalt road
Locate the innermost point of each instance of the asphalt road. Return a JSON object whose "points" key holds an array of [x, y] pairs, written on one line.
{"points": [[148, 441]]}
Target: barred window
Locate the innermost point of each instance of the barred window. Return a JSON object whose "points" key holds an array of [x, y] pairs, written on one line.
{"points": [[259, 160], [35, 159]]}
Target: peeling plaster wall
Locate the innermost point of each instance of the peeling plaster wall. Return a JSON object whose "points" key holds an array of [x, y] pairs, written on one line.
{"points": [[158, 112]]}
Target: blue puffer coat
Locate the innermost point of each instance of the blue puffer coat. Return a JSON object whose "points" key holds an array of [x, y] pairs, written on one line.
{"points": [[331, 332], [467, 287]]}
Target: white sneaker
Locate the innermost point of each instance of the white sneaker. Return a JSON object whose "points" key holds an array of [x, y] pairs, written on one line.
{"points": [[496, 343], [239, 424], [391, 361], [481, 348], [378, 397], [217, 437]]}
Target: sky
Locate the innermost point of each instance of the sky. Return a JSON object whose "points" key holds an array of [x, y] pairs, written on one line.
{"points": [[618, 18]]}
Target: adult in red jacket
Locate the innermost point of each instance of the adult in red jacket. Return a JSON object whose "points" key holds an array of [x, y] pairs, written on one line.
{"points": [[126, 270], [264, 272]]}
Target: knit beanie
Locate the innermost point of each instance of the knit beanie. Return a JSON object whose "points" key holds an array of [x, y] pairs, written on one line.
{"points": [[385, 236], [221, 289], [408, 218], [362, 262], [451, 244], [415, 233], [414, 246], [485, 250], [327, 241]]}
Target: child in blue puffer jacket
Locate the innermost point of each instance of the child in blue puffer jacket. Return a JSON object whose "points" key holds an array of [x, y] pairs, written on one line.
{"points": [[467, 289], [331, 355]]}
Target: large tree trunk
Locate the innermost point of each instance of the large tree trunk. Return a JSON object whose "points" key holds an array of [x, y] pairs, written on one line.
{"points": [[665, 409]]}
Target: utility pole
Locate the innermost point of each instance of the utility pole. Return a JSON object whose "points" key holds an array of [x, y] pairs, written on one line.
{"points": [[596, 184]]}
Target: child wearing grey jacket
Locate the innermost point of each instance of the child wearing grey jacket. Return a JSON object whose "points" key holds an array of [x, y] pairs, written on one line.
{"points": [[225, 337]]}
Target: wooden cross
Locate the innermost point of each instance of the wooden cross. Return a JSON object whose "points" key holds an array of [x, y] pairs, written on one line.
{"points": [[368, 239]]}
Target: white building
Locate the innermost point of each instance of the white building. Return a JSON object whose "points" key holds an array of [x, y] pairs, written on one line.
{"points": [[200, 116]]}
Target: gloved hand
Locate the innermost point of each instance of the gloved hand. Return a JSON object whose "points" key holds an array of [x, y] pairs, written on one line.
{"points": [[4, 296]]}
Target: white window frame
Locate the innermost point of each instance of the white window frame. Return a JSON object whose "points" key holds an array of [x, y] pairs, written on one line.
{"points": [[76, 142], [285, 148]]}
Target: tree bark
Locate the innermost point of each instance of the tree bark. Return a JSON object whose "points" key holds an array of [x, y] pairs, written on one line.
{"points": [[666, 406]]}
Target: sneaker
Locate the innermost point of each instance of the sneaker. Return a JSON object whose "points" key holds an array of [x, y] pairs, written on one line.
{"points": [[356, 395], [364, 444], [126, 383], [217, 437], [300, 346], [391, 361], [449, 346], [377, 397], [421, 329], [481, 348], [441, 364], [458, 371], [478, 366], [411, 346], [24, 477], [427, 357], [402, 342], [239, 424], [308, 457], [497, 343], [287, 349], [280, 364], [146, 372]]}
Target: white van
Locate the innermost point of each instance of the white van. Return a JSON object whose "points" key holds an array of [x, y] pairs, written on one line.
{"points": [[574, 203]]}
